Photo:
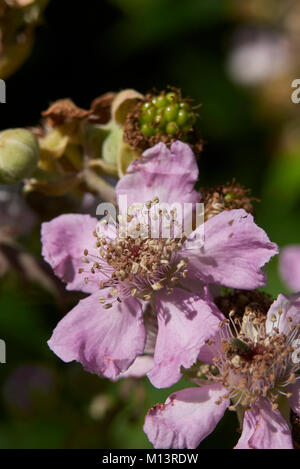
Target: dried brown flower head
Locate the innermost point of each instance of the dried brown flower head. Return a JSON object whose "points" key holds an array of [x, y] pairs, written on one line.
{"points": [[228, 197]]}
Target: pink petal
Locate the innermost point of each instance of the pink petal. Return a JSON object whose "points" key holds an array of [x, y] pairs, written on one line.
{"points": [[185, 321], [283, 313], [249, 424], [264, 428], [234, 252], [104, 341], [168, 174], [289, 266], [294, 400], [64, 239], [139, 367], [187, 417], [214, 348], [209, 351]]}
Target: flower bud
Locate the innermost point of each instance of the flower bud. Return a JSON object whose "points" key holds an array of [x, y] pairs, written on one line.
{"points": [[19, 154]]}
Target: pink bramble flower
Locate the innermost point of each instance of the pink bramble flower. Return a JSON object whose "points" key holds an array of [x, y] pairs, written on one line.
{"points": [[289, 266], [252, 367], [132, 265]]}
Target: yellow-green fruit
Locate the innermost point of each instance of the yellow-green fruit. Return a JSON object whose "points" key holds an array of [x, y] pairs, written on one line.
{"points": [[19, 155], [167, 114]]}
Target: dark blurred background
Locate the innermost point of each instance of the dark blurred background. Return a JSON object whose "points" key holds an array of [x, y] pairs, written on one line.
{"points": [[238, 61]]}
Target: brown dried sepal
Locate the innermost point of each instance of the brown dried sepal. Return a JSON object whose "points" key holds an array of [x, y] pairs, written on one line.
{"points": [[100, 112], [139, 142], [63, 110], [229, 197]]}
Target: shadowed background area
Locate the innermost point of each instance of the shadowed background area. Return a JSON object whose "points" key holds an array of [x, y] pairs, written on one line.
{"points": [[238, 61]]}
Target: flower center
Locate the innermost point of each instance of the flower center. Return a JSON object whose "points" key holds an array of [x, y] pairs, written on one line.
{"points": [[142, 257], [254, 364]]}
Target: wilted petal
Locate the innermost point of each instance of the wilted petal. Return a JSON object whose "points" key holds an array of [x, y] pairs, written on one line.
{"points": [[104, 341], [187, 417]]}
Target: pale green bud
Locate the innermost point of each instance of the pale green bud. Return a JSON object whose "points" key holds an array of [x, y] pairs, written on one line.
{"points": [[112, 143], [19, 155]]}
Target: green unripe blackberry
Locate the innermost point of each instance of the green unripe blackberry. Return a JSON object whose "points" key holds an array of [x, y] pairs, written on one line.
{"points": [[229, 197], [171, 112], [171, 128], [149, 115], [146, 106], [167, 114], [159, 119], [148, 130], [183, 117], [184, 105], [161, 102], [172, 97]]}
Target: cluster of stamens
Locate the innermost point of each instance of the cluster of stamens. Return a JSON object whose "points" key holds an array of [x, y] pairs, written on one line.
{"points": [[253, 363], [228, 197], [140, 259]]}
